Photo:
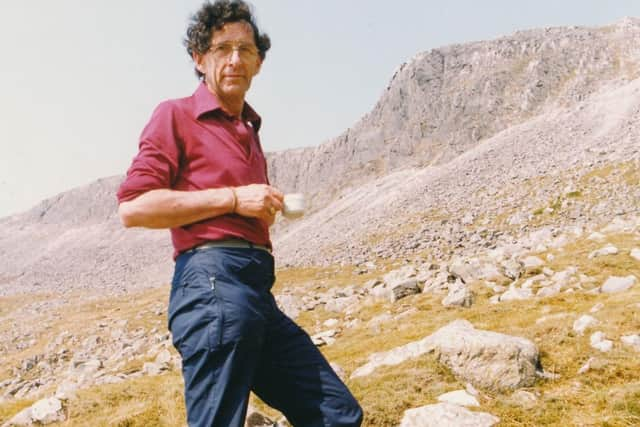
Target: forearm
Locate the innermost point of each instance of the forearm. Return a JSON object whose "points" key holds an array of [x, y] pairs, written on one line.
{"points": [[165, 208]]}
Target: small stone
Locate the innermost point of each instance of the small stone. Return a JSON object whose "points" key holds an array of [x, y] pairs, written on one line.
{"points": [[596, 308], [618, 284], [524, 399], [585, 368], [599, 342], [324, 338], [635, 254], [631, 340], [514, 293], [532, 262], [163, 358], [446, 414], [459, 397], [330, 323], [596, 236], [607, 250], [152, 368], [584, 322]]}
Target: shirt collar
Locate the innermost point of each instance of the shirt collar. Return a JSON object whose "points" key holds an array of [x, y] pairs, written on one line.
{"points": [[206, 102]]}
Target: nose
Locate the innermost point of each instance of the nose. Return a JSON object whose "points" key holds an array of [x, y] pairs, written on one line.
{"points": [[234, 57]]}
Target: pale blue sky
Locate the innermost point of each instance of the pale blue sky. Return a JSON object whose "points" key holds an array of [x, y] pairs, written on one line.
{"points": [[79, 78]]}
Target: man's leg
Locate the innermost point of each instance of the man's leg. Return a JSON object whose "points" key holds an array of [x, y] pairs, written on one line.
{"points": [[295, 378], [218, 327]]}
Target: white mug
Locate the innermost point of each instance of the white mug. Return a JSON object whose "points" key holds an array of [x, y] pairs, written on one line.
{"points": [[293, 205]]}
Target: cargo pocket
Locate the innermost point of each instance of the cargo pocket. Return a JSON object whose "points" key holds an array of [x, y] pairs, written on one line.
{"points": [[196, 319]]}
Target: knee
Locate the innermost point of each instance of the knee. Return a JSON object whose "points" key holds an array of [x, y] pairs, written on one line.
{"points": [[349, 413], [356, 414]]}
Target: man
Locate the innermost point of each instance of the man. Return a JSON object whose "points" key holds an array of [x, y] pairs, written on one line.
{"points": [[201, 172]]}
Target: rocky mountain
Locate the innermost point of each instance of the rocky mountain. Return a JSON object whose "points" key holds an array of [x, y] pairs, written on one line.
{"points": [[446, 101], [456, 127], [474, 239]]}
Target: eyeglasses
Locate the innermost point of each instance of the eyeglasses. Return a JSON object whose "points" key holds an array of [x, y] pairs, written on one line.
{"points": [[225, 49]]}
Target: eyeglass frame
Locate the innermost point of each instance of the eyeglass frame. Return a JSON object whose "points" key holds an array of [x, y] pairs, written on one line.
{"points": [[245, 51]]}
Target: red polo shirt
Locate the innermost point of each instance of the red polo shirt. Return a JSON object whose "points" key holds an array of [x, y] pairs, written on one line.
{"points": [[191, 144]]}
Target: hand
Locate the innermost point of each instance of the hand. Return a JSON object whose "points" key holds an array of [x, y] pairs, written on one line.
{"points": [[259, 201]]}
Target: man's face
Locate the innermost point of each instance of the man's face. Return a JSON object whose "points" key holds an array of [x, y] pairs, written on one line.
{"points": [[231, 62]]}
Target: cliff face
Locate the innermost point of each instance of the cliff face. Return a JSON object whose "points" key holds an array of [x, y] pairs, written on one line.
{"points": [[444, 102]]}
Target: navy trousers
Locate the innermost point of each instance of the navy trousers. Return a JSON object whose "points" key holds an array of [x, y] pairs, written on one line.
{"points": [[233, 339]]}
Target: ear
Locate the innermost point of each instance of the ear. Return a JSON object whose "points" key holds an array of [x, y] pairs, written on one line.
{"points": [[198, 61], [258, 65]]}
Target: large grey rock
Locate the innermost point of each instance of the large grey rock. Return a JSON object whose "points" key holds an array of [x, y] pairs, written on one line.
{"points": [[446, 415], [484, 358]]}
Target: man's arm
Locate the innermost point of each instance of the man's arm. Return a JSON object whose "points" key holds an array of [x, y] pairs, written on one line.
{"points": [[166, 208]]}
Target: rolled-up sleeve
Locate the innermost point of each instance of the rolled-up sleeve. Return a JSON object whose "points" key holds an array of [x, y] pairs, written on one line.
{"points": [[157, 162]]}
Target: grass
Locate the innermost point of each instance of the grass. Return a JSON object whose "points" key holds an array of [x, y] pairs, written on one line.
{"points": [[607, 395]]}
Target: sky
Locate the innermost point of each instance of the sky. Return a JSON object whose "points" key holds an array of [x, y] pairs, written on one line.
{"points": [[80, 78]]}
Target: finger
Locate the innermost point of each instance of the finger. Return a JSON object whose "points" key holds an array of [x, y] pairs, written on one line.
{"points": [[277, 204], [277, 193]]}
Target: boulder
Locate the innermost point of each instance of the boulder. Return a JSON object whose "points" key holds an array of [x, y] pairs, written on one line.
{"points": [[484, 358], [459, 295], [446, 414], [403, 289], [399, 275]]}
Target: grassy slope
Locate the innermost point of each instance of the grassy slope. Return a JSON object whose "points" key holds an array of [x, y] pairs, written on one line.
{"points": [[608, 394]]}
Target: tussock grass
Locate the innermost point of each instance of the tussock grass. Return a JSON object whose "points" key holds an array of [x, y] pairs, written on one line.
{"points": [[606, 395], [141, 402]]}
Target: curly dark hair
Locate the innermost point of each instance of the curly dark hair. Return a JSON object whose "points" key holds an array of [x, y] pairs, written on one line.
{"points": [[212, 17]]}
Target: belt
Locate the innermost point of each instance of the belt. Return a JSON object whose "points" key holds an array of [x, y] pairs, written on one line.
{"points": [[229, 243]]}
